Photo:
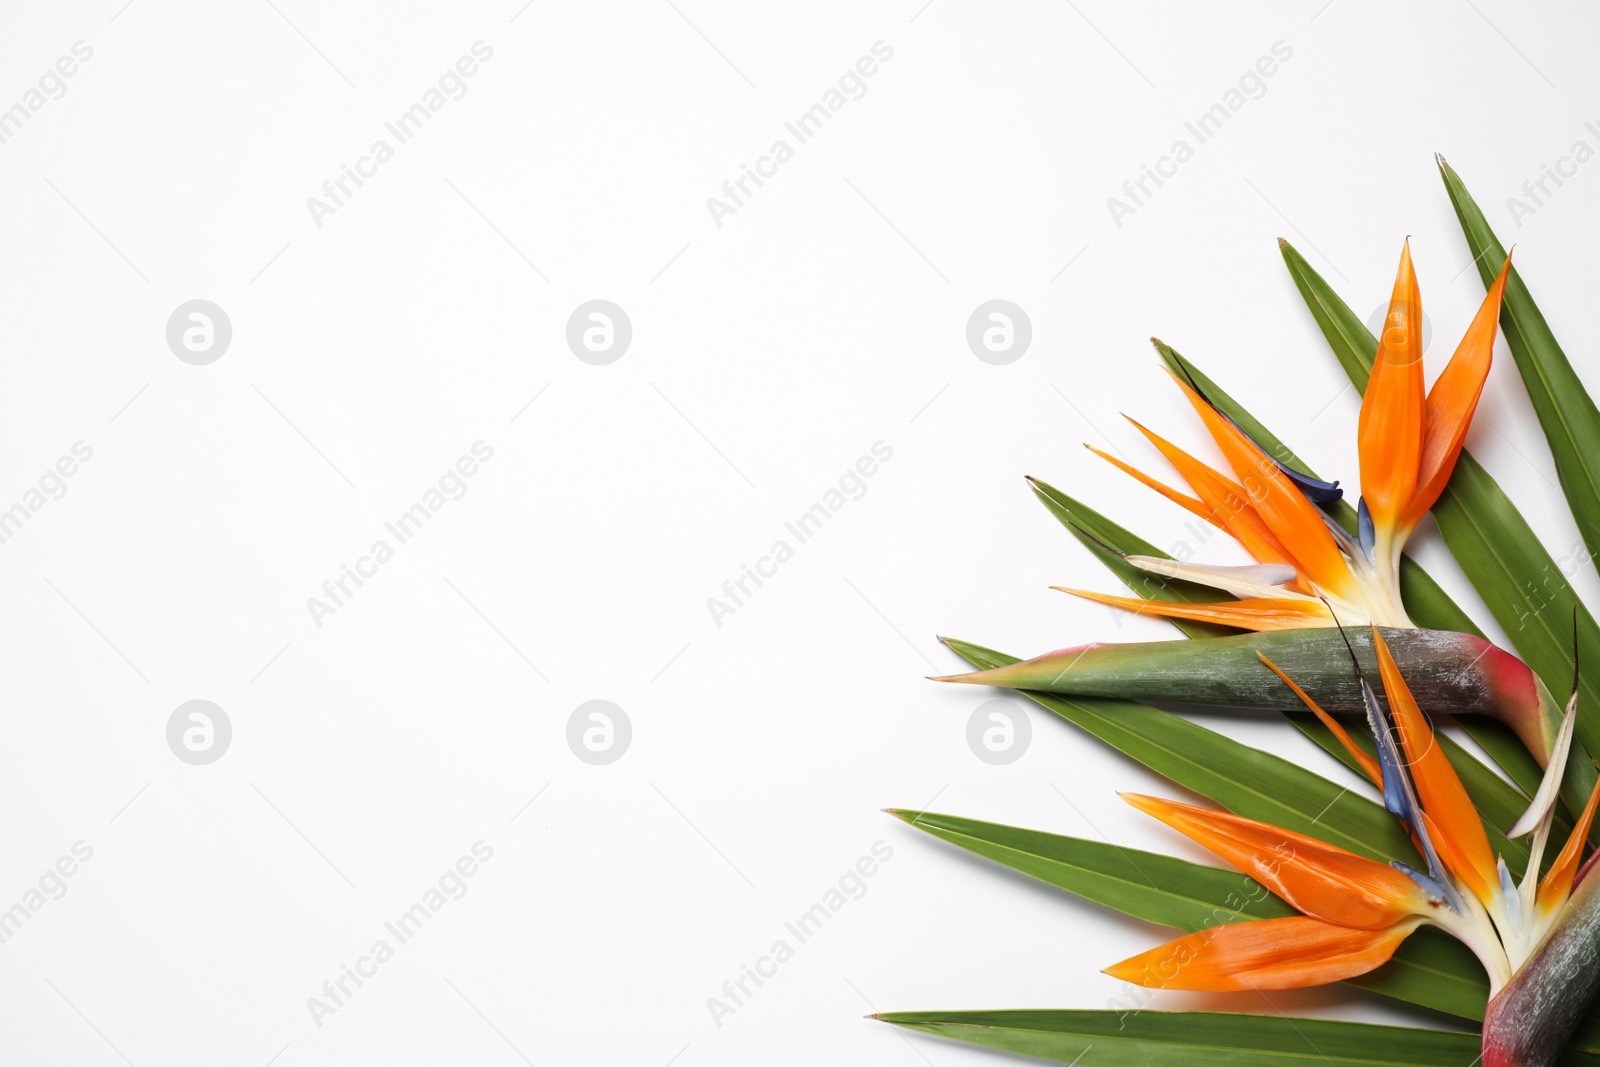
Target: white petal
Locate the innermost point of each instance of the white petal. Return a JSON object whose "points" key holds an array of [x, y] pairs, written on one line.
{"points": [[1550, 786], [1250, 580]]}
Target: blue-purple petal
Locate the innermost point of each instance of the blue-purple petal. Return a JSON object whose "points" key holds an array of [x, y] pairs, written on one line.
{"points": [[1364, 528]]}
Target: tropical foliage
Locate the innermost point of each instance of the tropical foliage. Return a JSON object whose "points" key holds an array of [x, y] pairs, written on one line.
{"points": [[1450, 893]]}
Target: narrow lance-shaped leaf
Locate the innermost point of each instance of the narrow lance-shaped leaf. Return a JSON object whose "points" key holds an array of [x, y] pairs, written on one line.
{"points": [[1147, 885], [1105, 539], [1566, 411], [1431, 969], [1196, 1039]]}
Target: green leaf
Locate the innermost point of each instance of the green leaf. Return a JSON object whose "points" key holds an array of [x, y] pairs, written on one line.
{"points": [[1194, 1039], [1147, 885], [1246, 781], [1565, 409], [1430, 969], [1506, 749], [1094, 531], [1518, 579]]}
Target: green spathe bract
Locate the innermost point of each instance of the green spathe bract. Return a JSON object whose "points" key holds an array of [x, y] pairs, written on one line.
{"points": [[1527, 1022], [1454, 671]]}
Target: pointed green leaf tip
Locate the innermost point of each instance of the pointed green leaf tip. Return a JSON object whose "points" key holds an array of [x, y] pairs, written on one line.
{"points": [[1095, 532], [1565, 409]]}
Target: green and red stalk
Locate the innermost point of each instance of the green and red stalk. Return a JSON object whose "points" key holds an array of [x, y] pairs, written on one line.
{"points": [[1450, 672]]}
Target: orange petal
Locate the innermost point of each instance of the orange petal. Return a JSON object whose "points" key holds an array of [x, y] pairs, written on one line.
{"points": [[1287, 953], [1557, 884], [1368, 765], [1261, 613], [1453, 820], [1452, 400], [1394, 407], [1294, 520], [1227, 502], [1198, 507], [1319, 879]]}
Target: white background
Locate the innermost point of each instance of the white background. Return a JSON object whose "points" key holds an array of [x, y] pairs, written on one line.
{"points": [[769, 353]]}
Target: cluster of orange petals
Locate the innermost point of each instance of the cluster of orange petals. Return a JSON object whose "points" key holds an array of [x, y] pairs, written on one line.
{"points": [[1410, 438], [1355, 911]]}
